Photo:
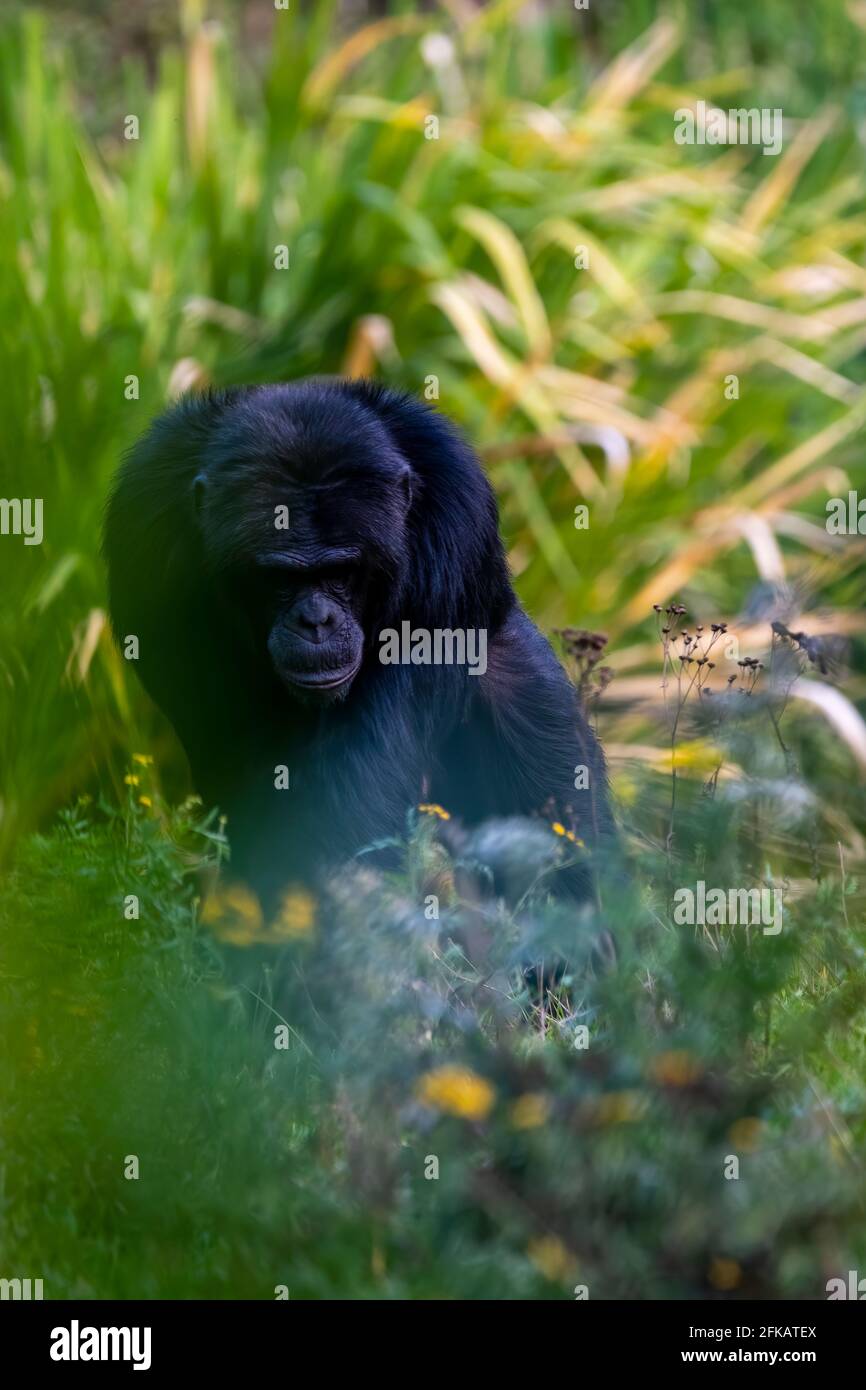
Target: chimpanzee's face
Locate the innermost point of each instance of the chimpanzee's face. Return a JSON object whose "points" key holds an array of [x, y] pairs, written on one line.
{"points": [[312, 606], [305, 523]]}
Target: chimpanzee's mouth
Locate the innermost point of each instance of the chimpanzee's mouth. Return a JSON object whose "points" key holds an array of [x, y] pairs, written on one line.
{"points": [[324, 680]]}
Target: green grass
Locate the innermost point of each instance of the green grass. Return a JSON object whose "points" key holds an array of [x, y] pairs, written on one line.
{"points": [[450, 258], [305, 1165]]}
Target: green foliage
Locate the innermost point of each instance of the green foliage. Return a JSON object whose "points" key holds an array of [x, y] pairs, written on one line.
{"points": [[581, 1139], [410, 258], [452, 258]]}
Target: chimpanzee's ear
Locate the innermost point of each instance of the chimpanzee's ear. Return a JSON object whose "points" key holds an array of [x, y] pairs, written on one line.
{"points": [[198, 491], [406, 487]]}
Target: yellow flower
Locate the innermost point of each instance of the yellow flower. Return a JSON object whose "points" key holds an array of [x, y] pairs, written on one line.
{"points": [[235, 915], [529, 1111], [625, 788], [675, 1068], [619, 1108], [550, 1257], [430, 808], [458, 1091], [745, 1133], [131, 779], [559, 829], [143, 759], [296, 917], [698, 754], [724, 1274], [145, 801]]}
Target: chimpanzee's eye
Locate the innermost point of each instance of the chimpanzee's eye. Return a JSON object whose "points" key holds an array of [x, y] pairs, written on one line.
{"points": [[336, 576], [268, 584]]}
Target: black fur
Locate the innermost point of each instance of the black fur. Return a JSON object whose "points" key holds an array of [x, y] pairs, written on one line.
{"points": [[191, 515]]}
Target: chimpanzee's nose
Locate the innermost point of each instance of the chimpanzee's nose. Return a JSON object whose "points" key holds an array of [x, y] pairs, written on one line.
{"points": [[314, 617]]}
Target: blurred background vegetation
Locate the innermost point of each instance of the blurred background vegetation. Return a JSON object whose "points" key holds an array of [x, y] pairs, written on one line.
{"points": [[582, 289]]}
